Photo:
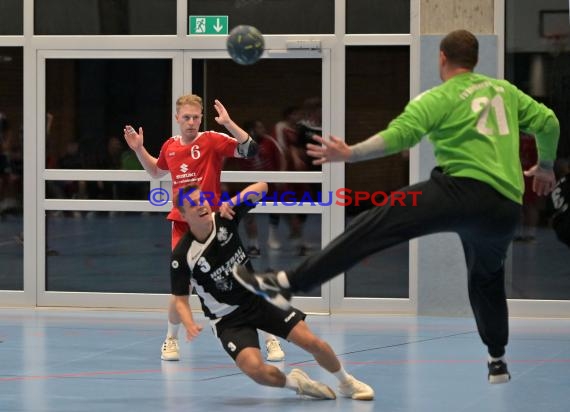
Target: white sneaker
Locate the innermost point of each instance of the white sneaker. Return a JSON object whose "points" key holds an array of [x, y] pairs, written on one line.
{"points": [[274, 351], [355, 389], [309, 387], [170, 350]]}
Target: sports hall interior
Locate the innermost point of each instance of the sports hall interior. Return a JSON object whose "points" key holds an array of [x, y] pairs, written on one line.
{"points": [[84, 254]]}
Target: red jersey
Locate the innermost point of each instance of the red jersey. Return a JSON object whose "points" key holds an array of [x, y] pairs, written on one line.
{"points": [[200, 161]]}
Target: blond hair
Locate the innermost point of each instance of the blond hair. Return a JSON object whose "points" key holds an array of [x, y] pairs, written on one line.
{"points": [[190, 99]]}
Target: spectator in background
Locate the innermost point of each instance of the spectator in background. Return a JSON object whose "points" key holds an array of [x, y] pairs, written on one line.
{"points": [[11, 168], [530, 214], [286, 133], [270, 157], [561, 200]]}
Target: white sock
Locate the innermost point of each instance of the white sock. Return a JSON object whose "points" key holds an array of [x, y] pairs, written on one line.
{"points": [[491, 359], [172, 330], [341, 375], [283, 280], [291, 383], [269, 337]]}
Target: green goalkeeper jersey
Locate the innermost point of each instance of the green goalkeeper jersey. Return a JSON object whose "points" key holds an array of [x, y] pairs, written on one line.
{"points": [[473, 122]]}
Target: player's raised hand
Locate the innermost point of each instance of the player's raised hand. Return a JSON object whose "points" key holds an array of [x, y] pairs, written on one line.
{"points": [[333, 150], [223, 117], [227, 210], [134, 139], [543, 179]]}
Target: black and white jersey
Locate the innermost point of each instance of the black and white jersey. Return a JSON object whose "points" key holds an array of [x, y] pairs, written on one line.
{"points": [[208, 266], [560, 199]]}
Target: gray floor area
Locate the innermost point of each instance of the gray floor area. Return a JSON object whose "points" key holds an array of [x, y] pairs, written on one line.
{"points": [[70, 360]]}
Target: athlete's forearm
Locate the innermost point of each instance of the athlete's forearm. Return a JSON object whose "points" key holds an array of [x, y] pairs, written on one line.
{"points": [[237, 132], [184, 311], [247, 147], [252, 192], [149, 163], [371, 148], [547, 142]]}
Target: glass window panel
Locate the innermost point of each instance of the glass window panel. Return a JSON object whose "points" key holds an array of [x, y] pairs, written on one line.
{"points": [[287, 194], [540, 66], [287, 96], [106, 17], [11, 17], [11, 168], [89, 101], [107, 252], [129, 252], [286, 103], [271, 17], [76, 189], [377, 16], [377, 90], [281, 239]]}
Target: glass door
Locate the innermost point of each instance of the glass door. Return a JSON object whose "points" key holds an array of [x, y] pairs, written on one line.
{"points": [[100, 242], [280, 101]]}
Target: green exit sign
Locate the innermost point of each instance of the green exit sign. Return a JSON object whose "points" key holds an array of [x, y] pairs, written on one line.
{"points": [[208, 25]]}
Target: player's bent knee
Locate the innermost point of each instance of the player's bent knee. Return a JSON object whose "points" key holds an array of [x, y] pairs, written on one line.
{"points": [[250, 362]]}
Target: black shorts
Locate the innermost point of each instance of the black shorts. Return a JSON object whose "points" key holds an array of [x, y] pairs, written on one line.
{"points": [[238, 330]]}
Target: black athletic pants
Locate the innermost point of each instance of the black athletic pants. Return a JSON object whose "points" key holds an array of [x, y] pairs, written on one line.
{"points": [[484, 219]]}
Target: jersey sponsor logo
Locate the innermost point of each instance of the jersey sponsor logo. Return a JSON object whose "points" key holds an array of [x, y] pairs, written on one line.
{"points": [[223, 236], [289, 317], [231, 346], [222, 275], [171, 154], [187, 177], [183, 168], [175, 264]]}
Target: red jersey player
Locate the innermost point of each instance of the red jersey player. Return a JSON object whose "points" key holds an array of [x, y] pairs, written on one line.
{"points": [[194, 156]]}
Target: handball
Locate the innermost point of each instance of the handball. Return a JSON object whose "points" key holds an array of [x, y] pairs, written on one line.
{"points": [[245, 44]]}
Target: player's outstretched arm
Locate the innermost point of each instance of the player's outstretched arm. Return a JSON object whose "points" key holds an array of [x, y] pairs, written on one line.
{"points": [[135, 141], [193, 329], [251, 193], [333, 150], [225, 120]]}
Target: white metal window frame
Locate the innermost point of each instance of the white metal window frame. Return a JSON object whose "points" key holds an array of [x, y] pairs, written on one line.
{"points": [[38, 48], [523, 307], [34, 45], [339, 302], [181, 66], [316, 304]]}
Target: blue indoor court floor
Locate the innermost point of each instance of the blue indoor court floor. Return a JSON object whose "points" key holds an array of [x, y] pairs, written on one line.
{"points": [[105, 361]]}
